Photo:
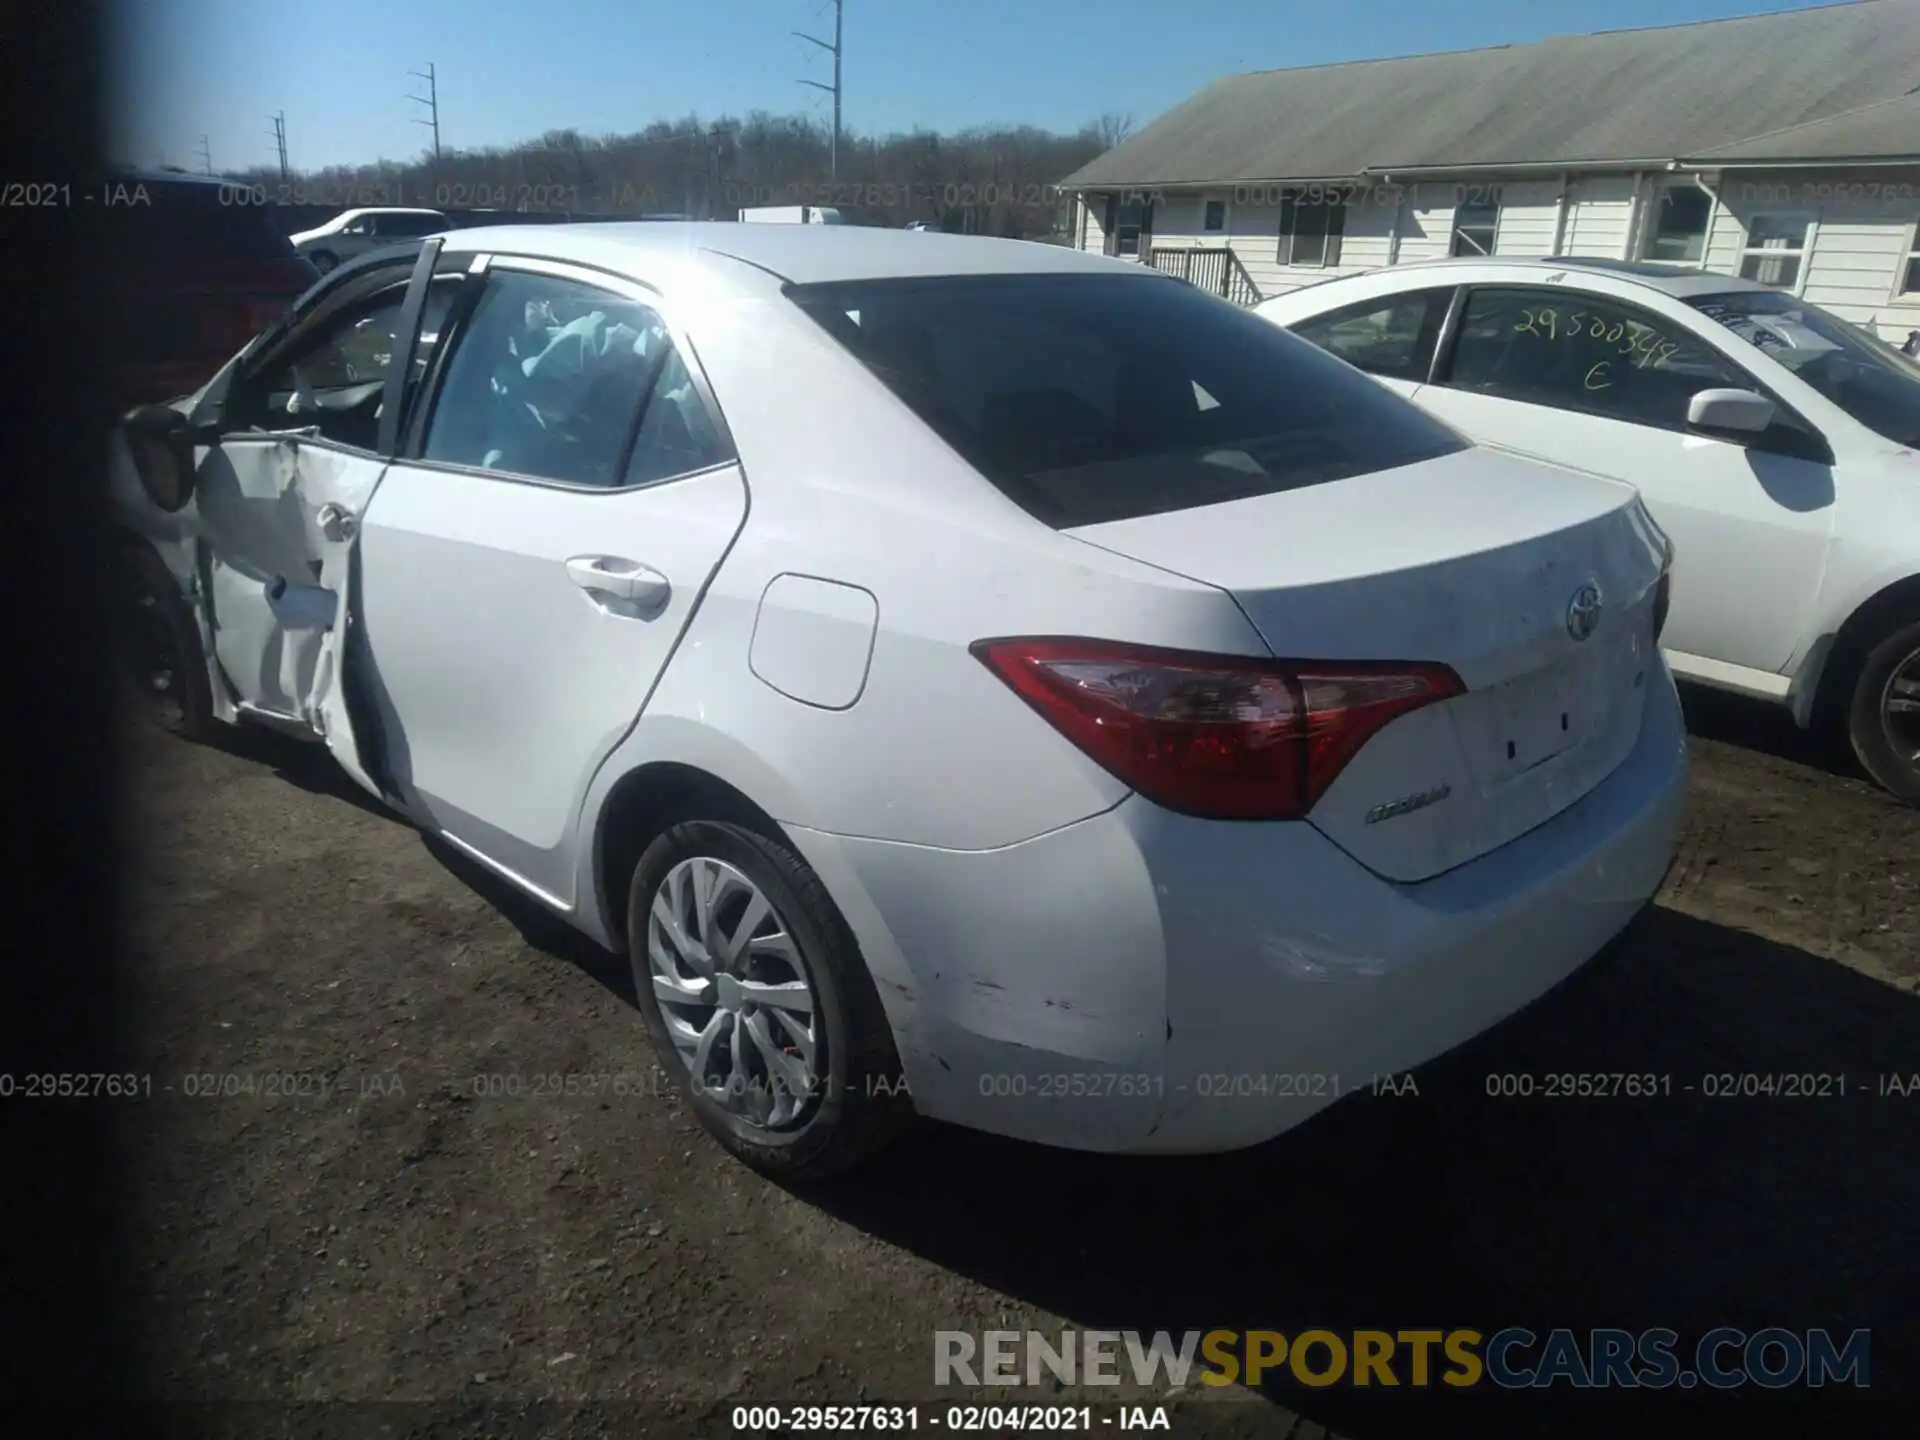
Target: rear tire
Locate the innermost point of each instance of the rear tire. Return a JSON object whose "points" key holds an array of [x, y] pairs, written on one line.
{"points": [[161, 662], [799, 1090], [1883, 714]]}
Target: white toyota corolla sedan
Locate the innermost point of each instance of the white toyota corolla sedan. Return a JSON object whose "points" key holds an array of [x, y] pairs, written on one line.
{"points": [[969, 678], [1778, 445]]}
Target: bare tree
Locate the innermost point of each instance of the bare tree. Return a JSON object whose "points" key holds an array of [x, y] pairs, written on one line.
{"points": [[989, 179]]}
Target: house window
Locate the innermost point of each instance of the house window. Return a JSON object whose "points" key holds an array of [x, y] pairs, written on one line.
{"points": [[1679, 229], [1910, 279], [1216, 216], [1311, 223], [1776, 244], [1474, 226]]}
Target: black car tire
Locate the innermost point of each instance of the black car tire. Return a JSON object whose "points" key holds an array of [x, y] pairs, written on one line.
{"points": [[1876, 743], [863, 1103], [160, 655]]}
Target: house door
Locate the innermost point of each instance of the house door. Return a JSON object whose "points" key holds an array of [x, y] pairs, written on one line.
{"points": [[1129, 225]]}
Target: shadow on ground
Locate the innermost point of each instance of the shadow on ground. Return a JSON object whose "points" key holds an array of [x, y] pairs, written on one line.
{"points": [[303, 764], [1770, 729], [1458, 1209], [539, 927], [311, 768]]}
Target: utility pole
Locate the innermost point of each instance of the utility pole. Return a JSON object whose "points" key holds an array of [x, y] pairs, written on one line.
{"points": [[279, 133], [833, 155], [431, 100], [206, 156]]}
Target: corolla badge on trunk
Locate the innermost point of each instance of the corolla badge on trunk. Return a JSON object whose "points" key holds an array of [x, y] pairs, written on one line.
{"points": [[1407, 804], [1583, 611]]}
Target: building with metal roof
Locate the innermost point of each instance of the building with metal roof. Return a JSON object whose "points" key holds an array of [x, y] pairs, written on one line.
{"points": [[1782, 146]]}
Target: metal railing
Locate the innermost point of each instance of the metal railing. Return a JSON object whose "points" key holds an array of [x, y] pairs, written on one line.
{"points": [[1213, 268]]}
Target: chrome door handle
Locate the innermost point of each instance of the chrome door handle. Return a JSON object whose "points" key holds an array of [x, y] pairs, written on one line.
{"points": [[336, 522], [622, 579]]}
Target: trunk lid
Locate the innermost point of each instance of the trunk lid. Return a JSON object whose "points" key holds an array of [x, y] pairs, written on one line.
{"points": [[1478, 560]]}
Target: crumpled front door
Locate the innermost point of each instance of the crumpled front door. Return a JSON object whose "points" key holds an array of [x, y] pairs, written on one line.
{"points": [[280, 514]]}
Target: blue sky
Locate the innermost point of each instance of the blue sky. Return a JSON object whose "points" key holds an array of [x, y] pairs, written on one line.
{"points": [[512, 69]]}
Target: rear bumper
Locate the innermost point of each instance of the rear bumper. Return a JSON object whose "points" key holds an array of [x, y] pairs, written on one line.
{"points": [[1143, 981]]}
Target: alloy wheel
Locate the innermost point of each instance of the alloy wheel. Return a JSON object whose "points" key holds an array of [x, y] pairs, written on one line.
{"points": [[1900, 709], [736, 993]]}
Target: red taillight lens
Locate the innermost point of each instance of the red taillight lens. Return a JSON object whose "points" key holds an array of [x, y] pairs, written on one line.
{"points": [[1662, 600], [1225, 737]]}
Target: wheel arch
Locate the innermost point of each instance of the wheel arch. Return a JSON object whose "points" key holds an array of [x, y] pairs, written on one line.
{"points": [[1890, 604], [640, 805]]}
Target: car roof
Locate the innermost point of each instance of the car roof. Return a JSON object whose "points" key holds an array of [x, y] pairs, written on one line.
{"points": [[798, 254], [1679, 281], [387, 210], [167, 177]]}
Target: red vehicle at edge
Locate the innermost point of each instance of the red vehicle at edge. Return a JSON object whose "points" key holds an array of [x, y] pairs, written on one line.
{"points": [[193, 270]]}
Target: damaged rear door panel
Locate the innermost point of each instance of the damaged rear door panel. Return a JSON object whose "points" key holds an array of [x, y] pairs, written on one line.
{"points": [[305, 428], [454, 527], [533, 557]]}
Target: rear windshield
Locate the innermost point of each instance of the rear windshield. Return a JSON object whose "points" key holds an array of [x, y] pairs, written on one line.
{"points": [[1089, 398], [190, 225]]}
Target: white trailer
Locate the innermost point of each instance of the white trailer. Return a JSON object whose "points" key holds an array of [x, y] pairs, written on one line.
{"points": [[792, 215]]}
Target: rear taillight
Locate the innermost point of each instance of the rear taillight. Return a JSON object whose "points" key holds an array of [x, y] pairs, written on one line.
{"points": [[1225, 737], [1662, 600]]}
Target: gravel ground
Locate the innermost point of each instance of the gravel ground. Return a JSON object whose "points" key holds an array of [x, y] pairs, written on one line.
{"points": [[562, 1264]]}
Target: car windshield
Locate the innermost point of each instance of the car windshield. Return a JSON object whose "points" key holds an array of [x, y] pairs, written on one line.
{"points": [[1866, 377], [1090, 398]]}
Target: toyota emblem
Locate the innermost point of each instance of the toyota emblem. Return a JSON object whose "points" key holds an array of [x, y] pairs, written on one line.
{"points": [[1583, 612]]}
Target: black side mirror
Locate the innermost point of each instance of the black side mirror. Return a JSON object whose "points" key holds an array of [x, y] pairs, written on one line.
{"points": [[162, 442]]}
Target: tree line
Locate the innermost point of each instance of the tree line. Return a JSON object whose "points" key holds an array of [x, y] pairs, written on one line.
{"points": [[993, 180]]}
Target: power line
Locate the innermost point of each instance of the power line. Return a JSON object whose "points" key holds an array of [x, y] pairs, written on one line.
{"points": [[833, 155], [431, 100], [206, 156]]}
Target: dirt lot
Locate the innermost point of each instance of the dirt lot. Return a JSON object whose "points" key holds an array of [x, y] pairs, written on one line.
{"points": [[546, 1263]]}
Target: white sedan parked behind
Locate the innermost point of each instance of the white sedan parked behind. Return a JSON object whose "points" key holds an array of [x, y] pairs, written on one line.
{"points": [[965, 677], [1776, 444], [353, 233]]}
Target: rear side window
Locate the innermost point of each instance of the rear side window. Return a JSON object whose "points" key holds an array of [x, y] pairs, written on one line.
{"points": [[557, 380], [407, 226], [1092, 398], [1392, 336]]}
